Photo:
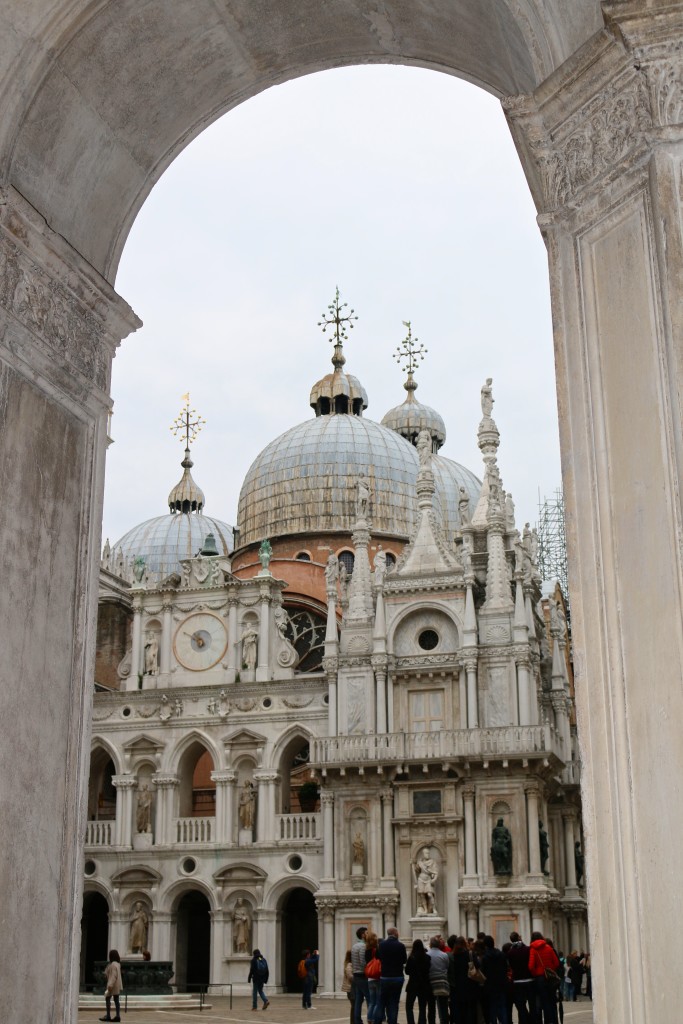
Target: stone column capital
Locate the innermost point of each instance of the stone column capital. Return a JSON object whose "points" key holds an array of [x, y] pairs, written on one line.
{"points": [[124, 781], [165, 781], [224, 776]]}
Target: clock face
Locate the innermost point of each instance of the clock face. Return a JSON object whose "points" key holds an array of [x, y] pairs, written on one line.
{"points": [[200, 641]]}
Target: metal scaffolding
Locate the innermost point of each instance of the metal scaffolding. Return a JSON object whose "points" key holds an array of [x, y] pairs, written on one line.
{"points": [[552, 540]]}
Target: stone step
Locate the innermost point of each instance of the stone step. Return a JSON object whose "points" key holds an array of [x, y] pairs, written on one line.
{"points": [[179, 1001]]}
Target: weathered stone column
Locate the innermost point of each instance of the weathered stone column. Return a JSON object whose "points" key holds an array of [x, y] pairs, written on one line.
{"points": [[388, 858], [225, 782], [265, 804], [451, 880], [124, 786], [327, 957], [166, 636], [161, 946], [570, 867], [470, 844], [327, 801], [165, 787], [602, 144], [133, 682], [532, 803], [263, 667], [472, 706]]}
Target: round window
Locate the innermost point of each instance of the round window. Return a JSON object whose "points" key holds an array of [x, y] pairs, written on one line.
{"points": [[126, 712], [189, 865], [295, 862], [428, 639], [267, 702], [90, 868]]}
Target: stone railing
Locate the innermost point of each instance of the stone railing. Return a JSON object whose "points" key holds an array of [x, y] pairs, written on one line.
{"points": [[447, 745], [292, 827], [194, 830], [99, 833]]}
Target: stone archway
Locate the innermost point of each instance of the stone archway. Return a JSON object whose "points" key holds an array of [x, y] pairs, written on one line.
{"points": [[97, 99]]}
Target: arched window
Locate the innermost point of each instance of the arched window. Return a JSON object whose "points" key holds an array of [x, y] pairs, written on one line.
{"points": [[303, 556], [347, 559], [306, 632]]}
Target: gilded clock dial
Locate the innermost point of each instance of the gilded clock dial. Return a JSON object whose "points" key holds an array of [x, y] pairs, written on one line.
{"points": [[200, 641]]}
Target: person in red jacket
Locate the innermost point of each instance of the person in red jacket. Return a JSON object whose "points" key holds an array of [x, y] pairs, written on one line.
{"points": [[542, 958]]}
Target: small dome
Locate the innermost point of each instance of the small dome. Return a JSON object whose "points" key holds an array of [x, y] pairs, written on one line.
{"points": [[409, 418], [186, 496], [338, 392], [164, 540]]}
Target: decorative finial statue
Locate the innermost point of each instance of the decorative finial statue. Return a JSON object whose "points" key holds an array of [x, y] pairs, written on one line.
{"points": [[380, 563], [424, 448], [138, 568], [331, 572], [187, 424], [408, 354], [464, 506], [265, 553], [338, 320], [362, 496], [487, 397]]}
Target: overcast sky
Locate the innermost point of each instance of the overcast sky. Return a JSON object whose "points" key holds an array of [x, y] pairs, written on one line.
{"points": [[402, 186]]}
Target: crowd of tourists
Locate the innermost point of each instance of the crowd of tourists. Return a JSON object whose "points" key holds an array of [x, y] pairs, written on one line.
{"points": [[462, 981]]}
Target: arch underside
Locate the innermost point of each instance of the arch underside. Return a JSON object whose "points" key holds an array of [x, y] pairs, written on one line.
{"points": [[101, 96]]}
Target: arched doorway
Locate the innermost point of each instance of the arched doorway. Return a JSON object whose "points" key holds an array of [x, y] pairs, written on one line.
{"points": [[94, 935], [299, 931], [86, 154], [193, 941]]}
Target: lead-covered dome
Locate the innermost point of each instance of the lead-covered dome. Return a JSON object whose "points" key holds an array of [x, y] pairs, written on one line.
{"points": [[409, 418], [164, 540], [305, 480]]}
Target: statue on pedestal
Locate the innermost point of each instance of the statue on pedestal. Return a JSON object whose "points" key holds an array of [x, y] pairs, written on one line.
{"points": [[358, 850], [578, 862], [362, 497], [139, 923], [331, 572], [151, 655], [501, 849], [249, 641], [265, 553], [544, 846], [464, 506], [247, 805], [241, 927], [487, 397], [380, 563], [143, 813], [426, 874]]}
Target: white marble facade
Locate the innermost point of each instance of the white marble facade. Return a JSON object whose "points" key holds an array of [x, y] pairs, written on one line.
{"points": [[433, 714]]}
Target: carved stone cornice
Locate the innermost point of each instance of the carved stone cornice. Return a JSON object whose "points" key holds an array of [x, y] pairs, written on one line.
{"points": [[74, 316], [339, 901], [507, 898]]}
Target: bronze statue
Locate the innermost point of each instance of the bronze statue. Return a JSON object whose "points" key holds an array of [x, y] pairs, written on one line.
{"points": [[544, 846], [501, 849]]}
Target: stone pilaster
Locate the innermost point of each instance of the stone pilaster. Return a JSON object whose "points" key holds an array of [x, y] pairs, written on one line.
{"points": [[225, 788], [124, 786]]}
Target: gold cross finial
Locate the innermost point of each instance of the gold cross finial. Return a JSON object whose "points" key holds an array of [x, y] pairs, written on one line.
{"points": [[187, 423], [409, 351], [337, 319]]}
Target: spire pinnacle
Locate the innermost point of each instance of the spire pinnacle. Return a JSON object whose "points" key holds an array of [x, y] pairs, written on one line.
{"points": [[338, 320], [186, 496], [408, 354]]}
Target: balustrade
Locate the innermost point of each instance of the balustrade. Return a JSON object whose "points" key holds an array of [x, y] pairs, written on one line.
{"points": [[194, 830], [99, 833], [446, 744], [298, 826]]}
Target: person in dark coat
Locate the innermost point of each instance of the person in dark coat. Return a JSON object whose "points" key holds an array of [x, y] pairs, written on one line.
{"points": [[419, 987], [463, 991], [523, 990], [495, 968]]}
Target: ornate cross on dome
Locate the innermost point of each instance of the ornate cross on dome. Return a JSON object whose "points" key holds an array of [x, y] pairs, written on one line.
{"points": [[336, 318], [408, 351], [188, 423]]}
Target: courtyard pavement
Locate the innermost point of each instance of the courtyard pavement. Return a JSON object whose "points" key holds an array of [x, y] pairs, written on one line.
{"points": [[282, 1010]]}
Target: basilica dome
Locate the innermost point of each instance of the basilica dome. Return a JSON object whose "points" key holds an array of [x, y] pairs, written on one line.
{"points": [[164, 540], [181, 533]]}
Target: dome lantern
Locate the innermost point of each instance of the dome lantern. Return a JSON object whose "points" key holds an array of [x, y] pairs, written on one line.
{"points": [[338, 392], [186, 496], [411, 417]]}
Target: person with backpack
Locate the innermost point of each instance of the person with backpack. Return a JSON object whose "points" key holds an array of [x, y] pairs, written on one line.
{"points": [[307, 972], [258, 976]]}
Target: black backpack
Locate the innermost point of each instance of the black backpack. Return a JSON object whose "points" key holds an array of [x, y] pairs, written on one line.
{"points": [[261, 969]]}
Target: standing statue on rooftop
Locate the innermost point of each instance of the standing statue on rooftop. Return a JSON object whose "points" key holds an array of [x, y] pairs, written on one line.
{"points": [[362, 496], [487, 397]]}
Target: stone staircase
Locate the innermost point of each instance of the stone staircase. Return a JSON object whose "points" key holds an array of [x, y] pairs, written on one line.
{"points": [[176, 1001]]}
